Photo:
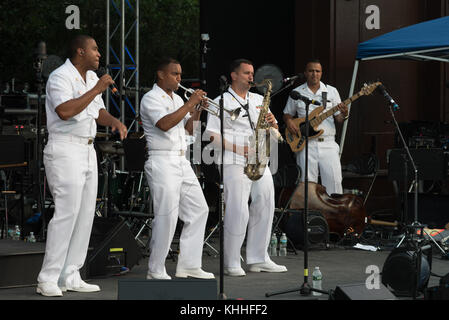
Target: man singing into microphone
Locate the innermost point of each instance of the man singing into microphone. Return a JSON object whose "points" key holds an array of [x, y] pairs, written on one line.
{"points": [[323, 151], [74, 107]]}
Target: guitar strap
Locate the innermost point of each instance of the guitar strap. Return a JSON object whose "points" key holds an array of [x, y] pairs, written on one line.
{"points": [[324, 99]]}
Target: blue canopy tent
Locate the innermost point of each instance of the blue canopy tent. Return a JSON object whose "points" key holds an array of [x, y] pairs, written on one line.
{"points": [[424, 41]]}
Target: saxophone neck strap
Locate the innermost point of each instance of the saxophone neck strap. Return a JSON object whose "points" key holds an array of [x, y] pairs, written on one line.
{"points": [[244, 107]]}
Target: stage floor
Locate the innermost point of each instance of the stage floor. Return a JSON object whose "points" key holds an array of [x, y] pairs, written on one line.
{"points": [[339, 266]]}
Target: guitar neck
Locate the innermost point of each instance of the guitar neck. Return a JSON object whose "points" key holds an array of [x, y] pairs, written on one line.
{"points": [[323, 116]]}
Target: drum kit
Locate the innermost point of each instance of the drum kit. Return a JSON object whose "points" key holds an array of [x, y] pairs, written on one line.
{"points": [[124, 191]]}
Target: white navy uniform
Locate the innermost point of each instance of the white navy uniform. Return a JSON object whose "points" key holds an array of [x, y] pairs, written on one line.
{"points": [[323, 152], [71, 169], [174, 187], [238, 218]]}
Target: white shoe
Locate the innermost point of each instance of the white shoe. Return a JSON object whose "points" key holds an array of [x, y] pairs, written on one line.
{"points": [[234, 272], [269, 266], [49, 289], [158, 276], [81, 287], [194, 273]]}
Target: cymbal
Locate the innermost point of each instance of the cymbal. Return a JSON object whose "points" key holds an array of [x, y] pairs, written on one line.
{"points": [[110, 147]]}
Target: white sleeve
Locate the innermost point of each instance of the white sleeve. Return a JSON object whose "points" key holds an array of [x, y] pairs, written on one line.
{"points": [[335, 100], [59, 89], [290, 107], [153, 109], [213, 122]]}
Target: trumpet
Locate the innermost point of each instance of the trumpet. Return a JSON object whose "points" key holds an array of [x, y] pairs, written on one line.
{"points": [[215, 110]]}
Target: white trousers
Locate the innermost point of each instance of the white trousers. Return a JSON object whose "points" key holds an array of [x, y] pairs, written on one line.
{"points": [[71, 170], [324, 160], [239, 218], [176, 193]]}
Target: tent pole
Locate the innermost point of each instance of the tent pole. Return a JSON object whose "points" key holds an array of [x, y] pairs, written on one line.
{"points": [[351, 92]]}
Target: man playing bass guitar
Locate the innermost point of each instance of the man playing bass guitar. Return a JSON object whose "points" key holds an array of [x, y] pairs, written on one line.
{"points": [[323, 151]]}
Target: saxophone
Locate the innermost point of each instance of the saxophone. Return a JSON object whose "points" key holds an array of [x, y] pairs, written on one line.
{"points": [[260, 140]]}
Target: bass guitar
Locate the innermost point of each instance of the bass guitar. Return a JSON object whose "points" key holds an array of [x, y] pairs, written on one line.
{"points": [[297, 142]]}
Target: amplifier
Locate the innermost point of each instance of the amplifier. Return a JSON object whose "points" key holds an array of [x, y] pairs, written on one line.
{"points": [[13, 147], [432, 164]]}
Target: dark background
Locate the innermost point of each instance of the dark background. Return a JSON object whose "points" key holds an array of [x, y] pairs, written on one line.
{"points": [[284, 33]]}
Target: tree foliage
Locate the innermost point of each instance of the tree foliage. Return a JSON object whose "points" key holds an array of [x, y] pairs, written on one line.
{"points": [[167, 28]]}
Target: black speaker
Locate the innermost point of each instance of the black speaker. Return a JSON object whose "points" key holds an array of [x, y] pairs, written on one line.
{"points": [[431, 164], [135, 152], [111, 247], [318, 229], [432, 209], [400, 271], [359, 291], [15, 146], [175, 289]]}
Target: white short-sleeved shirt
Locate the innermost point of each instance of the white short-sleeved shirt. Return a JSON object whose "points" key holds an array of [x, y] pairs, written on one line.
{"points": [[155, 105], [297, 108], [239, 130], [64, 84]]}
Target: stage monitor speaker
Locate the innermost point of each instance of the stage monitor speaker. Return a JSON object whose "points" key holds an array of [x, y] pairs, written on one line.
{"points": [[431, 164], [111, 247], [175, 289], [359, 291]]}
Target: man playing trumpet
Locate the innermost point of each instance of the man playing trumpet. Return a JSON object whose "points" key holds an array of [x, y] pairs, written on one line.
{"points": [[175, 189]]}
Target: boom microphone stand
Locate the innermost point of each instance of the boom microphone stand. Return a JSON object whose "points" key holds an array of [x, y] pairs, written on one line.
{"points": [[305, 289], [410, 237]]}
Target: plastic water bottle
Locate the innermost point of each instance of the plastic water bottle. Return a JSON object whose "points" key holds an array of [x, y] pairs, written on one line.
{"points": [[16, 235], [283, 245], [31, 237], [317, 278], [274, 245]]}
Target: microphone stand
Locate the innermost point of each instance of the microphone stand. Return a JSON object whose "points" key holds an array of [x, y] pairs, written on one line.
{"points": [[410, 234], [38, 149], [305, 288], [223, 88], [415, 169], [290, 83]]}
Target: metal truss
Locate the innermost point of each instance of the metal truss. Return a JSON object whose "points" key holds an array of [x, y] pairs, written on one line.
{"points": [[122, 59]]}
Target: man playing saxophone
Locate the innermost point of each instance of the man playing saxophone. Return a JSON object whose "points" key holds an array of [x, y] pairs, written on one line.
{"points": [[257, 218]]}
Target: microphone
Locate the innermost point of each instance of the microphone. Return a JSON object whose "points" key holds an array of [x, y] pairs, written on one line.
{"points": [[223, 83], [299, 76], [390, 100], [41, 50], [295, 95], [101, 72]]}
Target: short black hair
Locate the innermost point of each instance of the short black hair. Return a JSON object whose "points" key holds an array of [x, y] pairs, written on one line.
{"points": [[78, 41], [236, 64], [162, 64], [312, 60]]}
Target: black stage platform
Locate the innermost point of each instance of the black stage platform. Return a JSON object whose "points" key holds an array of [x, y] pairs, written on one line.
{"points": [[340, 266]]}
